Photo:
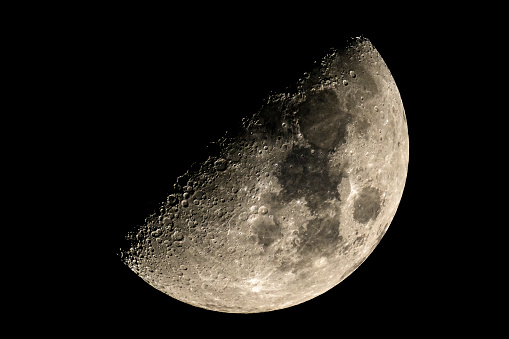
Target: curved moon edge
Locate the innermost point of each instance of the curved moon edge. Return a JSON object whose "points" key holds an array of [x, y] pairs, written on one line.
{"points": [[294, 203]]}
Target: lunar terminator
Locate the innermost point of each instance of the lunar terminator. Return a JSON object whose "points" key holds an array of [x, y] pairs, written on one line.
{"points": [[293, 203]]}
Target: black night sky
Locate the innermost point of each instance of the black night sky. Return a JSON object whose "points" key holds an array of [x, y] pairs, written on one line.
{"points": [[156, 92]]}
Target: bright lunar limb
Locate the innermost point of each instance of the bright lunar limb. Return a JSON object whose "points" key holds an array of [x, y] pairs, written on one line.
{"points": [[293, 203]]}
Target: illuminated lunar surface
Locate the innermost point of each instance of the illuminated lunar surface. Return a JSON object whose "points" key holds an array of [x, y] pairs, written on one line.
{"points": [[293, 203]]}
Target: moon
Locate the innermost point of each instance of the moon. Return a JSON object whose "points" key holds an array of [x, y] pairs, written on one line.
{"points": [[293, 203]]}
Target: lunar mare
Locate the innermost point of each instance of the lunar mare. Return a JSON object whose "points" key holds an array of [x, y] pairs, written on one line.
{"points": [[293, 203]]}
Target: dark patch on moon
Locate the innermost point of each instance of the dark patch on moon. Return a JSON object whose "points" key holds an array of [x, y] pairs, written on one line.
{"points": [[322, 122], [303, 174], [367, 205], [267, 231], [320, 237]]}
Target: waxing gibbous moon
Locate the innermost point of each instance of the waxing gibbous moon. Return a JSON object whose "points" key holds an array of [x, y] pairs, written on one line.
{"points": [[293, 203]]}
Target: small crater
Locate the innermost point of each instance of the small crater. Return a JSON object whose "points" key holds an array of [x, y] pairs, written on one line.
{"points": [[172, 200], [243, 216], [263, 210], [156, 233], [220, 164]]}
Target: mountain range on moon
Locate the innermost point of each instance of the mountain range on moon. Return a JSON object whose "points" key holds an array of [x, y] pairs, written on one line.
{"points": [[290, 205]]}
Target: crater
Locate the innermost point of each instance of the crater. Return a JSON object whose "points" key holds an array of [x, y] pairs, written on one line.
{"points": [[367, 205]]}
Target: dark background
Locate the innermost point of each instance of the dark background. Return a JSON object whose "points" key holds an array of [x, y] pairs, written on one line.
{"points": [[154, 90]]}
